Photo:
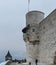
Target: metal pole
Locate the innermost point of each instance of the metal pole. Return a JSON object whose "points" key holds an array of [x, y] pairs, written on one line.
{"points": [[28, 5]]}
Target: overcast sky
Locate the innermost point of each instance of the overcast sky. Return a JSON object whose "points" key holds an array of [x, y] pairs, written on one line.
{"points": [[12, 20]]}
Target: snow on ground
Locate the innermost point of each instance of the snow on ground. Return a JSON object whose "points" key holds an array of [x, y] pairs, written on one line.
{"points": [[3, 63]]}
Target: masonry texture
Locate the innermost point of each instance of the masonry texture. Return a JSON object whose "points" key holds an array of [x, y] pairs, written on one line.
{"points": [[40, 36]]}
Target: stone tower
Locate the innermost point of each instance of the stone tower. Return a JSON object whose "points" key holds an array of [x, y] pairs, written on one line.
{"points": [[31, 34], [8, 56]]}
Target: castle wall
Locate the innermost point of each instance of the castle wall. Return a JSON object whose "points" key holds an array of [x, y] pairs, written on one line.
{"points": [[47, 39], [45, 32]]}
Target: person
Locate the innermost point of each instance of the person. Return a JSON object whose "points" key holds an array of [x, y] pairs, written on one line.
{"points": [[36, 61], [29, 63], [55, 58]]}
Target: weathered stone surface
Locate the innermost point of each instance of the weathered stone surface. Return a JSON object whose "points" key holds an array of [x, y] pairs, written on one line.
{"points": [[43, 30]]}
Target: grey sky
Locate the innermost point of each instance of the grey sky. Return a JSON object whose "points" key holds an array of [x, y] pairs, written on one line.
{"points": [[12, 20]]}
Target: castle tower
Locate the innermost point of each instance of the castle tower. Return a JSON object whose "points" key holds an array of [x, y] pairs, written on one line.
{"points": [[31, 34], [8, 56]]}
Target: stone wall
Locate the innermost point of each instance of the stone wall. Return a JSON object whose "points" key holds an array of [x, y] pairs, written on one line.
{"points": [[46, 30], [47, 38]]}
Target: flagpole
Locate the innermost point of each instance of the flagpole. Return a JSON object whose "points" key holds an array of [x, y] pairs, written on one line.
{"points": [[28, 5]]}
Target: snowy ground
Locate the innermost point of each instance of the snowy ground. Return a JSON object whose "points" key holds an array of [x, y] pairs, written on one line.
{"points": [[4, 63]]}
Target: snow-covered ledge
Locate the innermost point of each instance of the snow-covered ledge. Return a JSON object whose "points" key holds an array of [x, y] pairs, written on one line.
{"points": [[4, 63]]}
